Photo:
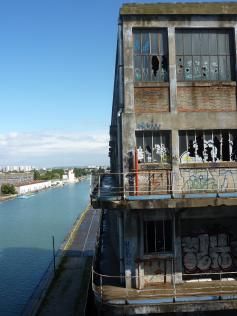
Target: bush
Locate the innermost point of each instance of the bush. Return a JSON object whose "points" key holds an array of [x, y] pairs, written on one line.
{"points": [[8, 189]]}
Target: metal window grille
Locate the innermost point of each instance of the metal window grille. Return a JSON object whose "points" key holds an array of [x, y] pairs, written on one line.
{"points": [[157, 236], [153, 146], [208, 146]]}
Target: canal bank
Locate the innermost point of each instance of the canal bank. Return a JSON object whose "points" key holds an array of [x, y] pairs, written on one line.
{"points": [[26, 230], [66, 292]]}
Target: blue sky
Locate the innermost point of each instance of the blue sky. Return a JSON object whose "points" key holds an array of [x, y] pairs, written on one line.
{"points": [[56, 80]]}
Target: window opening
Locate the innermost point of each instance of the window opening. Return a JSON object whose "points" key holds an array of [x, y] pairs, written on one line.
{"points": [[205, 54], [158, 236], [153, 146], [234, 149], [208, 146], [155, 65], [150, 49]]}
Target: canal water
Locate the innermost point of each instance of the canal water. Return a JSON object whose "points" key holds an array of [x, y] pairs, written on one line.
{"points": [[26, 230]]}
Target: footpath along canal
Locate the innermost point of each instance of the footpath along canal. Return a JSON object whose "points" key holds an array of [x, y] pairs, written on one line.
{"points": [[26, 230]]}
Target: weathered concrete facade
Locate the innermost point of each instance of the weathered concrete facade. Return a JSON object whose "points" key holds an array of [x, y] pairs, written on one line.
{"points": [[174, 144]]}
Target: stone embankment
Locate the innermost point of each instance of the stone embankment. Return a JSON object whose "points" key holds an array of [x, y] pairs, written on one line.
{"points": [[7, 197]]}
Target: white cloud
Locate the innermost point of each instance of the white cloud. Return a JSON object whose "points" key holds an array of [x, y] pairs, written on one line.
{"points": [[48, 147]]}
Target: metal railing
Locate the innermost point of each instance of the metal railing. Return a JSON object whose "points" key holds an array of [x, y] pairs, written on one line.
{"points": [[221, 287], [164, 182]]}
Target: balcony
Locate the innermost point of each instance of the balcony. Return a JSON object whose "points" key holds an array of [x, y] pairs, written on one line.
{"points": [[165, 188], [215, 291]]}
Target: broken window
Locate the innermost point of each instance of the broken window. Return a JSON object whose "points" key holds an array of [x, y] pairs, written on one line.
{"points": [[205, 54], [153, 146], [208, 146], [157, 236], [150, 55]]}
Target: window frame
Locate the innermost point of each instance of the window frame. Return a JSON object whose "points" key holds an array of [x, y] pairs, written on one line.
{"points": [[162, 149], [202, 62], [165, 239], [145, 66], [213, 149]]}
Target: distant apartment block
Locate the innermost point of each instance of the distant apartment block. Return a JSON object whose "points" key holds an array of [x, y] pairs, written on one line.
{"points": [[16, 168]]}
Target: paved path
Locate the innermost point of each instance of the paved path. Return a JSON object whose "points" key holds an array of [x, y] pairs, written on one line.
{"points": [[68, 292]]}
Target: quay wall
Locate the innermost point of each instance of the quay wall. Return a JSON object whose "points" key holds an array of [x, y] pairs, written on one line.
{"points": [[40, 291]]}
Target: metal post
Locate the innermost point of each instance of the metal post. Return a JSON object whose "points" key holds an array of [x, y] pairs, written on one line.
{"points": [[101, 288], [99, 186], [124, 191], [136, 170], [90, 183], [92, 274], [54, 266], [220, 287], [218, 184], [173, 278]]}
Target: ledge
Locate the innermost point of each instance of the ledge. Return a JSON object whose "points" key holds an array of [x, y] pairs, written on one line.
{"points": [[164, 256], [171, 203], [208, 165], [151, 84], [154, 166], [206, 83], [202, 8]]}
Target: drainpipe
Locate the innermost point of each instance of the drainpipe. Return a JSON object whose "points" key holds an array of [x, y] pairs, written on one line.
{"points": [[119, 145]]}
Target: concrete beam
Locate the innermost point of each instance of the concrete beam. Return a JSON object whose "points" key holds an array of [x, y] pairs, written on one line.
{"points": [[169, 203], [144, 309]]}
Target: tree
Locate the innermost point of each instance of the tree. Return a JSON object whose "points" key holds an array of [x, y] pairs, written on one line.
{"points": [[8, 189], [79, 172], [36, 175]]}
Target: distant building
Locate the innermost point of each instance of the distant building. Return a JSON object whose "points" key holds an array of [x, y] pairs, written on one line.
{"points": [[168, 236], [69, 176], [16, 177], [16, 168], [32, 186]]}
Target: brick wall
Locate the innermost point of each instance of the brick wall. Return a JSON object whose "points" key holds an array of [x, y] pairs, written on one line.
{"points": [[151, 99], [206, 98]]}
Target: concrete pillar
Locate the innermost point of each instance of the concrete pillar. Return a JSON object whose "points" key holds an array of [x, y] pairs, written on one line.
{"points": [[172, 69], [140, 274], [129, 119], [128, 68], [236, 53], [178, 250], [175, 162], [129, 140], [130, 248]]}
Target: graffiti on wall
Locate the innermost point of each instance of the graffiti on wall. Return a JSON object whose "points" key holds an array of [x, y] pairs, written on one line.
{"points": [[148, 126], [159, 150], [208, 179], [206, 252]]}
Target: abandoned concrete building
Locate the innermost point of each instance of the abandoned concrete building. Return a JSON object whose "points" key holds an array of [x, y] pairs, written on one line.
{"points": [[168, 239]]}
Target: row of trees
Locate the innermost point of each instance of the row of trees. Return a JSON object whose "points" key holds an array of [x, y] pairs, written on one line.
{"points": [[49, 174], [58, 173]]}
